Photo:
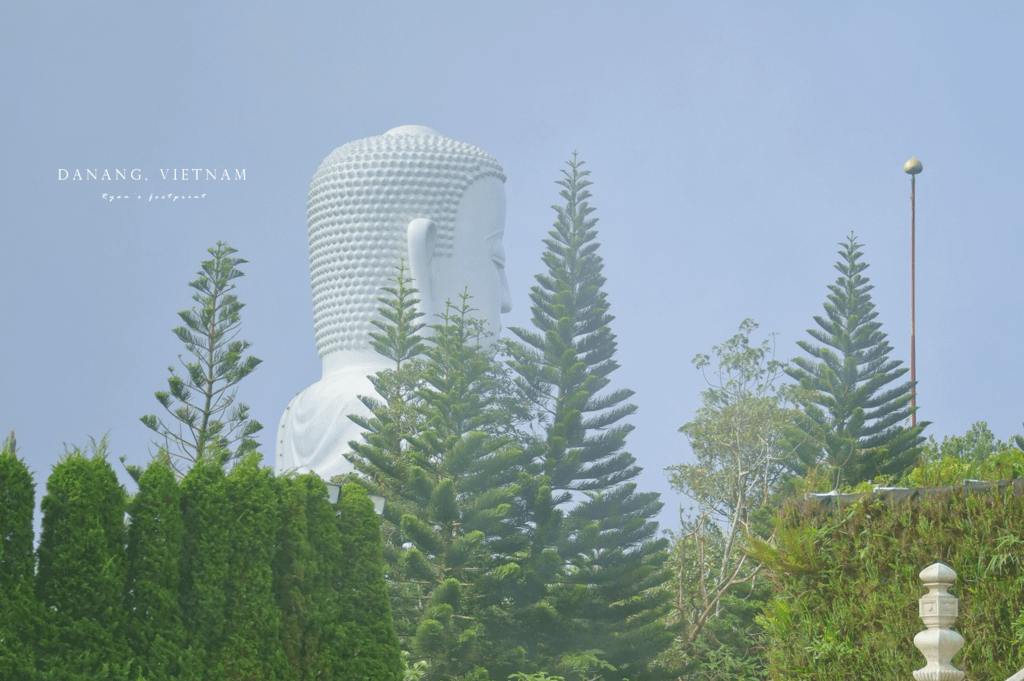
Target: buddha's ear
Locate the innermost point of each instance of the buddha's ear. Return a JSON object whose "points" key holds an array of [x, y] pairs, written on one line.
{"points": [[422, 236]]}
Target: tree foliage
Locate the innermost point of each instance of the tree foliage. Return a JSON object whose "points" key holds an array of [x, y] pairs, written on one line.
{"points": [[203, 401], [976, 455], [309, 552], [723, 642], [566, 359], [252, 647], [370, 647], [395, 418], [398, 332], [438, 448], [737, 434], [155, 632], [81, 573], [20, 625], [974, 446], [586, 503], [329, 584], [737, 438], [205, 568], [853, 413]]}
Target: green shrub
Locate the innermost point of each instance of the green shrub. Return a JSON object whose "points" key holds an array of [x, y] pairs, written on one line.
{"points": [[846, 587]]}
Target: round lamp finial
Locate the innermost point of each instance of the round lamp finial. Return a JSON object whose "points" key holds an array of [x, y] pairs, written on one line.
{"points": [[912, 167]]}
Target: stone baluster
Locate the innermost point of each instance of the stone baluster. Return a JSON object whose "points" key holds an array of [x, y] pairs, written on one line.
{"points": [[938, 610]]}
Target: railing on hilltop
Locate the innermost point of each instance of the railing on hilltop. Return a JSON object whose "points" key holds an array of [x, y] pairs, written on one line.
{"points": [[834, 499], [939, 643]]}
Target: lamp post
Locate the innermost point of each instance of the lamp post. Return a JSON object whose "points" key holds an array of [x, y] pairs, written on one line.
{"points": [[334, 490], [912, 168]]}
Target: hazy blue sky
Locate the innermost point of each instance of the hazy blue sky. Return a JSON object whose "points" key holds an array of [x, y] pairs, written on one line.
{"points": [[732, 146]]}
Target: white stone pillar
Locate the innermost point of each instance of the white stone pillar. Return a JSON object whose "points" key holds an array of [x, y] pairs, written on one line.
{"points": [[938, 610]]}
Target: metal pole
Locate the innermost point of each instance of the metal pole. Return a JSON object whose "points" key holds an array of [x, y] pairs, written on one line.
{"points": [[912, 167], [913, 363]]}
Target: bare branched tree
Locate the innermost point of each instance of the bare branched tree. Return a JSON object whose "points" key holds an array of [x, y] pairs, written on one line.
{"points": [[737, 438]]}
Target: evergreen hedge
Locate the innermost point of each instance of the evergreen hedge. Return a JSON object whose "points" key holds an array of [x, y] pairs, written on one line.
{"points": [[203, 585], [155, 631], [241, 576], [81, 570], [20, 616], [846, 586], [252, 646], [370, 651], [308, 545]]}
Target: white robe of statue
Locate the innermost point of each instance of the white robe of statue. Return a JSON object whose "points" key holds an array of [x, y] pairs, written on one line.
{"points": [[410, 193]]}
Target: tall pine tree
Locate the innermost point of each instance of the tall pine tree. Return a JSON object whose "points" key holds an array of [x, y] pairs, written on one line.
{"points": [[309, 551], [203, 401], [853, 406], [20, 622], [370, 647], [155, 631], [394, 417], [252, 646], [205, 566], [609, 596], [383, 458], [81, 572], [439, 448]]}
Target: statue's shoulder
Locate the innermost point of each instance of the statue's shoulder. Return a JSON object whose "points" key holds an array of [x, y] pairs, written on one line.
{"points": [[315, 427], [332, 394]]}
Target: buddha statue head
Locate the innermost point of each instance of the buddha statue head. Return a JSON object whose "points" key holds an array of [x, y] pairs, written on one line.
{"points": [[410, 193]]}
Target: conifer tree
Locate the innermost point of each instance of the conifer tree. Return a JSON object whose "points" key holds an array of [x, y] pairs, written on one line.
{"points": [[206, 414], [81, 573], [853, 407], [440, 450], [381, 458], [329, 582], [155, 631], [205, 567], [293, 569], [300, 577], [252, 647], [398, 333], [609, 597], [369, 647], [394, 418], [20, 624], [463, 480]]}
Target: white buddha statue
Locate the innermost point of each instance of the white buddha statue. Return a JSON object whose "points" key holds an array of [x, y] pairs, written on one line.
{"points": [[410, 193]]}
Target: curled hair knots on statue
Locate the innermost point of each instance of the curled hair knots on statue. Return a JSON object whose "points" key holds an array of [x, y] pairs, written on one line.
{"points": [[361, 201]]}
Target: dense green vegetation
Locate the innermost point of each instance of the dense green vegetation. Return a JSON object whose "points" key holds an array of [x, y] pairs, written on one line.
{"points": [[437, 450], [737, 437], [237, 576], [514, 543], [517, 541], [852, 421], [845, 583], [203, 402], [155, 631], [81, 569], [603, 529], [20, 626]]}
